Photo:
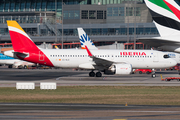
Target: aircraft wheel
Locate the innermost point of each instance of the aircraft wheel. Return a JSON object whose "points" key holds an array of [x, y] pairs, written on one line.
{"points": [[25, 67], [140, 72], [153, 75], [98, 74], [10, 66], [91, 74]]}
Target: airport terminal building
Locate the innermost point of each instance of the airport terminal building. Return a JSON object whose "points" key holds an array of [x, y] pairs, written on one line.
{"points": [[105, 21]]}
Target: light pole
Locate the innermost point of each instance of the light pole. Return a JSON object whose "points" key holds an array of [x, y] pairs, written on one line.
{"points": [[135, 25], [128, 21], [56, 19], [62, 25]]}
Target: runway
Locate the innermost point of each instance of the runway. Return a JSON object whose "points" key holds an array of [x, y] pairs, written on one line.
{"points": [[63, 77], [87, 112], [68, 77]]}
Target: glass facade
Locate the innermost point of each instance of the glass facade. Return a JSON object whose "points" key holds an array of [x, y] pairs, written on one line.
{"points": [[25, 19], [91, 31], [114, 31], [120, 11], [36, 5], [49, 6], [105, 2]]}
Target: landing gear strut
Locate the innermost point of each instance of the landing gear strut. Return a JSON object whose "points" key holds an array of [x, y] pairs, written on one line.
{"points": [[153, 73]]}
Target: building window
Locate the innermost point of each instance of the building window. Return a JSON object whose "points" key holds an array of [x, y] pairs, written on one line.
{"points": [[129, 11], [115, 11], [65, 15], [121, 11], [99, 14], [92, 14], [33, 5], [1, 6], [109, 11], [7, 6], [28, 4], [138, 11], [76, 14], [38, 5], [22, 6], [43, 8], [104, 31], [84, 14], [71, 15], [12, 7], [104, 14]]}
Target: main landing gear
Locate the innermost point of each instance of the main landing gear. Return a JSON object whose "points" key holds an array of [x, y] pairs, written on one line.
{"points": [[153, 73], [93, 74]]}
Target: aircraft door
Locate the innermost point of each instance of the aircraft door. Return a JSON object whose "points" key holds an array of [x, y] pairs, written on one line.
{"points": [[155, 57], [41, 56]]}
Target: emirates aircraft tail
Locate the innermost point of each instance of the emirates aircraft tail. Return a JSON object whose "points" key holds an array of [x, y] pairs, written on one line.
{"points": [[85, 40], [166, 16]]}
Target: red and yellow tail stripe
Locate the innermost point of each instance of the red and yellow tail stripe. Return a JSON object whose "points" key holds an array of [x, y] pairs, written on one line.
{"points": [[14, 26]]}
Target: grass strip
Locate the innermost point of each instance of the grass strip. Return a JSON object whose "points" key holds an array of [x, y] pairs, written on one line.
{"points": [[135, 95]]}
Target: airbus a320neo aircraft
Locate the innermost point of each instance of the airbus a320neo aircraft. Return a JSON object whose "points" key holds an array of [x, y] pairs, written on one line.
{"points": [[166, 16], [113, 61], [86, 41]]}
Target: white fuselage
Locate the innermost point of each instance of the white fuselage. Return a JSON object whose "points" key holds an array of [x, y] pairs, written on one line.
{"points": [[9, 61], [143, 59]]}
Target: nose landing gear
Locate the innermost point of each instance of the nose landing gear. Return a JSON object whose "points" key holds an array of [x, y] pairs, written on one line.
{"points": [[153, 73]]}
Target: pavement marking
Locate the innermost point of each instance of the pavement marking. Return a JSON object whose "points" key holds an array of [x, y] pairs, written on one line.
{"points": [[150, 111], [119, 119]]}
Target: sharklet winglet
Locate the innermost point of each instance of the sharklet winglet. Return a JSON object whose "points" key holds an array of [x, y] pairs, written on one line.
{"points": [[88, 51]]}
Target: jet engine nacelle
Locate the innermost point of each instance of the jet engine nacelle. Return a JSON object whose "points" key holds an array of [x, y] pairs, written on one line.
{"points": [[122, 69]]}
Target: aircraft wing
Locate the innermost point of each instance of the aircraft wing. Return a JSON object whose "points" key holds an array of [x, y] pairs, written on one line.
{"points": [[157, 42], [100, 63]]}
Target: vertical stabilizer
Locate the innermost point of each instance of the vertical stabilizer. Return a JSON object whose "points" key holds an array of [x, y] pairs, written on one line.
{"points": [[85, 40], [20, 40], [166, 16]]}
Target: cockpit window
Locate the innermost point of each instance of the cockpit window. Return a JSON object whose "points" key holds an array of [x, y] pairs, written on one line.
{"points": [[166, 56]]}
